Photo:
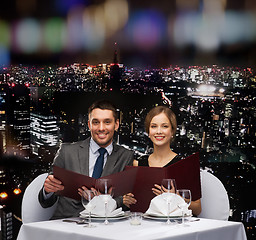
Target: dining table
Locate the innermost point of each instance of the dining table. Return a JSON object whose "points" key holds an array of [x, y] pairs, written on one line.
{"points": [[195, 229]]}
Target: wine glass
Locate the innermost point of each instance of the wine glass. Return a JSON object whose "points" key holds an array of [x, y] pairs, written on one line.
{"points": [[168, 187], [105, 188], [186, 195], [86, 197]]}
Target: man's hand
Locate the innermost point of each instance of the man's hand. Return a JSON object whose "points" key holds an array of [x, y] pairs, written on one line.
{"points": [[52, 184]]}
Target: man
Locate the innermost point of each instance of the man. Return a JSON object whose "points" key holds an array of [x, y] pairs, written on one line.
{"points": [[82, 157]]}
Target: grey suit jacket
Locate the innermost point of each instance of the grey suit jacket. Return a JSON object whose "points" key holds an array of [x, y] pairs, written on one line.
{"points": [[75, 157]]}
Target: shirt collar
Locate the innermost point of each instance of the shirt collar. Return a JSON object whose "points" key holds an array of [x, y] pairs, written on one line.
{"points": [[95, 147]]}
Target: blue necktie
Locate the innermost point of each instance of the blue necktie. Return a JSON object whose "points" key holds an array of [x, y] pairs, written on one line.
{"points": [[99, 163]]}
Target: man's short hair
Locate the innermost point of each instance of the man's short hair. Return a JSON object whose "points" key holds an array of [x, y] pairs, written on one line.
{"points": [[104, 105]]}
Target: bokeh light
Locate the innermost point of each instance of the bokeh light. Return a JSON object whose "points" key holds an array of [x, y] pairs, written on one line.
{"points": [[184, 25], [214, 28], [4, 56], [94, 31], [209, 31], [54, 34], [116, 13], [28, 36], [5, 37], [4, 34], [75, 29], [238, 27], [217, 6], [64, 6], [146, 29]]}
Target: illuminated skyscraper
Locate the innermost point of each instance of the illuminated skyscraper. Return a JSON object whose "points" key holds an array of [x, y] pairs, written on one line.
{"points": [[44, 132], [18, 138], [3, 118]]}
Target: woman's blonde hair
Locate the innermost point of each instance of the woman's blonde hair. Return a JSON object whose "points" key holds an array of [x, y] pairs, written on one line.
{"points": [[169, 114]]}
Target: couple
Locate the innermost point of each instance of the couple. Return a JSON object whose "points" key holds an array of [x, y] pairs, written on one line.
{"points": [[83, 157]]}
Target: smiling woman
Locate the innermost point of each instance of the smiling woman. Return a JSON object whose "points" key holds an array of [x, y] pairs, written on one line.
{"points": [[160, 130], [169, 115], [160, 124]]}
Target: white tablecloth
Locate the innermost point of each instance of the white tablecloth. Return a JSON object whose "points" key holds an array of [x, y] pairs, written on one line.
{"points": [[149, 229]]}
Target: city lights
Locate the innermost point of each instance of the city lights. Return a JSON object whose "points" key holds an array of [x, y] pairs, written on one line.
{"points": [[206, 89], [16, 191], [196, 56], [3, 195], [215, 112], [222, 90]]}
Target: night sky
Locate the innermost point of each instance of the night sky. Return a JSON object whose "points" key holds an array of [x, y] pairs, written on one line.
{"points": [[147, 33]]}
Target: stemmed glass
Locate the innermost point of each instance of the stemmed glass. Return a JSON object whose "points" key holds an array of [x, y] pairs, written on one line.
{"points": [[168, 186], [86, 197], [105, 188], [186, 195]]}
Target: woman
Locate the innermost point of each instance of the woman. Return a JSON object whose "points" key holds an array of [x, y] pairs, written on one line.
{"points": [[161, 125]]}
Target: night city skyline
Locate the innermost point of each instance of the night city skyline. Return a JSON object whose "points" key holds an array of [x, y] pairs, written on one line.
{"points": [[197, 57], [215, 107]]}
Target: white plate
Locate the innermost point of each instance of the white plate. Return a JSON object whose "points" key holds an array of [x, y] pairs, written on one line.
{"points": [[147, 216], [126, 215]]}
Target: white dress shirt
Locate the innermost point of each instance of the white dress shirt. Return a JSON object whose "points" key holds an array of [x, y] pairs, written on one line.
{"points": [[93, 154]]}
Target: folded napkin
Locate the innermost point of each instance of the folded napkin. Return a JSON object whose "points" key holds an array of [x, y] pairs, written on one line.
{"points": [[159, 207], [98, 207]]}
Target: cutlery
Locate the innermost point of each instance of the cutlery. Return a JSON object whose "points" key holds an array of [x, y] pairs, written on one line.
{"points": [[75, 221], [194, 220]]}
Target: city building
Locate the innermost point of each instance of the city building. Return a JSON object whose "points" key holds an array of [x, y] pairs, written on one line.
{"points": [[18, 122], [44, 132], [3, 118], [215, 108]]}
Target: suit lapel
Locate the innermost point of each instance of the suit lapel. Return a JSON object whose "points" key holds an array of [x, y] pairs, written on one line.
{"points": [[111, 162], [83, 155]]}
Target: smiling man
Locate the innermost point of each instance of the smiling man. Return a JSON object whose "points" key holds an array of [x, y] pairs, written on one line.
{"points": [[96, 156], [102, 124]]}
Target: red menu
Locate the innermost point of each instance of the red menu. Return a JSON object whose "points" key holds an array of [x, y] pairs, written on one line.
{"points": [[186, 173], [137, 180], [122, 182]]}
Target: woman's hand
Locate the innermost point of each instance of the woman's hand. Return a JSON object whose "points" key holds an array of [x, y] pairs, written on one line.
{"points": [[93, 193], [128, 199], [157, 189]]}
